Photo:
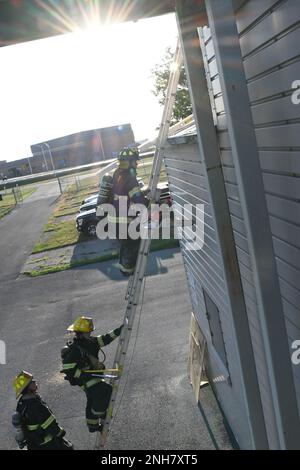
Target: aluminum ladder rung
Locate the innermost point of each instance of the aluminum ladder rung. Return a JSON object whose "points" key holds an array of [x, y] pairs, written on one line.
{"points": [[135, 281]]}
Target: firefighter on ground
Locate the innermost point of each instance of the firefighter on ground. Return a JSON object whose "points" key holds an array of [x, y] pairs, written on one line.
{"points": [[125, 185], [36, 426], [81, 355]]}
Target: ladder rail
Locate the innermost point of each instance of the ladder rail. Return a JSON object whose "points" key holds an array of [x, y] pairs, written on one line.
{"points": [[136, 281], [162, 136]]}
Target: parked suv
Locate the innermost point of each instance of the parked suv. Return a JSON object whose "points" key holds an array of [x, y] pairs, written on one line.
{"points": [[87, 220], [91, 204]]}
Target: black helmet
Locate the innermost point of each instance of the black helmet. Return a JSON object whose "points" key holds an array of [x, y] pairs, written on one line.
{"points": [[128, 154]]}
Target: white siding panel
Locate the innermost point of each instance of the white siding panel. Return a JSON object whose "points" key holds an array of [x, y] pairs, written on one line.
{"points": [[281, 51], [270, 43], [252, 10], [271, 26]]}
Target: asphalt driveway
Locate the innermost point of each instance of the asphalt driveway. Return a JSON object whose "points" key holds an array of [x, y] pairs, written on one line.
{"points": [[20, 228], [157, 408]]}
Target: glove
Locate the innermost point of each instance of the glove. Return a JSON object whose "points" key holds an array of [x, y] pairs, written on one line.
{"points": [[118, 330], [61, 434]]}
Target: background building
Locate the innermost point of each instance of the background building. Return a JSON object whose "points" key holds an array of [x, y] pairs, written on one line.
{"points": [[72, 150], [82, 148]]}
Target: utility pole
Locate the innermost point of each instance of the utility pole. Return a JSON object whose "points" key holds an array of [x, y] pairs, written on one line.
{"points": [[53, 167], [44, 156], [101, 145], [28, 158]]}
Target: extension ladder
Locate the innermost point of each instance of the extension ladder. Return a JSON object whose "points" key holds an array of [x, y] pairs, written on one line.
{"points": [[136, 280]]}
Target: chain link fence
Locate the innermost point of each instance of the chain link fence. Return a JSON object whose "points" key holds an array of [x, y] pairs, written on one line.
{"points": [[84, 182], [9, 198], [79, 183]]}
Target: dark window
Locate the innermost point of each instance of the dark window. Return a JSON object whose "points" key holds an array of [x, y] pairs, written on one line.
{"points": [[215, 327]]}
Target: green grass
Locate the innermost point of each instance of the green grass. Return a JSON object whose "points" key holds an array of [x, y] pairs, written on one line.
{"points": [[156, 245], [58, 235], [61, 234], [72, 264], [66, 212], [8, 202], [38, 260], [70, 202], [85, 185]]}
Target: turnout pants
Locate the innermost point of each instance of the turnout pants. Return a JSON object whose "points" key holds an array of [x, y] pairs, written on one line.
{"points": [[128, 251], [55, 444], [98, 397]]}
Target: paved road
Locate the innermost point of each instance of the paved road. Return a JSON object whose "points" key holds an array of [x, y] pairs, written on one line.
{"points": [[158, 409], [20, 229]]}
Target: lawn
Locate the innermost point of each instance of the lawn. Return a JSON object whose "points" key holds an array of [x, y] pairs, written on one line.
{"points": [[58, 234]]}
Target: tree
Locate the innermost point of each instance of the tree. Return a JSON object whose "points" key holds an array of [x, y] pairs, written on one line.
{"points": [[182, 106]]}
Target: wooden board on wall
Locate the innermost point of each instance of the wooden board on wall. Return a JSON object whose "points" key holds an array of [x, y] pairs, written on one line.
{"points": [[197, 346]]}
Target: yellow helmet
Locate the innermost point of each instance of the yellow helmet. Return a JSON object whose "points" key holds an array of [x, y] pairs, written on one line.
{"points": [[82, 325], [21, 381]]}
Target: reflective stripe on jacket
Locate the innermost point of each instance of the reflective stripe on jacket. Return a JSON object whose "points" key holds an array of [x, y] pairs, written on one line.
{"points": [[40, 423], [77, 359], [125, 188]]}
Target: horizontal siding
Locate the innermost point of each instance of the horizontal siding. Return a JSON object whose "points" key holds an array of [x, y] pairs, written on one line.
{"points": [[274, 83], [186, 166], [285, 161], [181, 176], [275, 137], [252, 11], [282, 18], [291, 311], [289, 293], [204, 269], [270, 44], [178, 186], [281, 109], [285, 231], [281, 51]]}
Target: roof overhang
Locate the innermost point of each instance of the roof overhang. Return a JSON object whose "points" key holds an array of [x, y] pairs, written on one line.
{"points": [[27, 20]]}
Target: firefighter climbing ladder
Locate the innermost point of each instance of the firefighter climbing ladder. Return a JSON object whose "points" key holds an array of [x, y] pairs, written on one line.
{"points": [[135, 281]]}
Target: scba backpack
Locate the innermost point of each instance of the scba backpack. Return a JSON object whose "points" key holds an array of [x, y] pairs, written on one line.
{"points": [[66, 355]]}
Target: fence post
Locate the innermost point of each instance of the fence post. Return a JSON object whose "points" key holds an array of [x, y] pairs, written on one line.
{"points": [[77, 185], [14, 193]]}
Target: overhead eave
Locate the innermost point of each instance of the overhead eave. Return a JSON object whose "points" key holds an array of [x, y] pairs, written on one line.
{"points": [[27, 20]]}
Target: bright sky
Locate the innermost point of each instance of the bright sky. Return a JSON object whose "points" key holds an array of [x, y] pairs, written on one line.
{"points": [[79, 81]]}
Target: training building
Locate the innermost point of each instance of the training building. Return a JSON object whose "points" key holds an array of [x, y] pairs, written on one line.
{"points": [[72, 150], [240, 160], [83, 147]]}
